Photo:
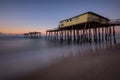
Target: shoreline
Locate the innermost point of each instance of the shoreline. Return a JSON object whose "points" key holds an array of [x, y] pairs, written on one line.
{"points": [[101, 65]]}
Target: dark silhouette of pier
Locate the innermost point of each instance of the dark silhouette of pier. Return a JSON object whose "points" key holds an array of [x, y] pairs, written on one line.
{"points": [[32, 35], [88, 27]]}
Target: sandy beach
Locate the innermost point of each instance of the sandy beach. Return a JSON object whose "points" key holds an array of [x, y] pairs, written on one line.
{"points": [[101, 65]]}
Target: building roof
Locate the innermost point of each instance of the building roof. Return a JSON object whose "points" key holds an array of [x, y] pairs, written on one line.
{"points": [[87, 13]]}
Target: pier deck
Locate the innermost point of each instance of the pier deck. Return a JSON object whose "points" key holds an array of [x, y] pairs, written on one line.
{"points": [[89, 31]]}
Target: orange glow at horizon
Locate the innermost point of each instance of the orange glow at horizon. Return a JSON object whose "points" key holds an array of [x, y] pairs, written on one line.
{"points": [[9, 30], [18, 30]]}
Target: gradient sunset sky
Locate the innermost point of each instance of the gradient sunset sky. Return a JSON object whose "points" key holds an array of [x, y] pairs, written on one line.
{"points": [[19, 16]]}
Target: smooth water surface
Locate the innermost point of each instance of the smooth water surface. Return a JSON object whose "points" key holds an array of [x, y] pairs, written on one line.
{"points": [[21, 56]]}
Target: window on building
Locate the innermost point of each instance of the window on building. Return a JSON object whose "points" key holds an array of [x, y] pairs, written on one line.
{"points": [[70, 19]]}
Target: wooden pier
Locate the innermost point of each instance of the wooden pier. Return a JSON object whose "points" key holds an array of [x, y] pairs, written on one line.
{"points": [[88, 27], [32, 35]]}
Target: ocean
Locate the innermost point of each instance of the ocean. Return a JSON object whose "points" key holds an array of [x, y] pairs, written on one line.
{"points": [[20, 56]]}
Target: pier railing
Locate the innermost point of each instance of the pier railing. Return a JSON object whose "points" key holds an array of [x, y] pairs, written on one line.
{"points": [[115, 21]]}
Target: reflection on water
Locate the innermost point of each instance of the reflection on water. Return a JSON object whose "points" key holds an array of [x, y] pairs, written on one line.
{"points": [[21, 56]]}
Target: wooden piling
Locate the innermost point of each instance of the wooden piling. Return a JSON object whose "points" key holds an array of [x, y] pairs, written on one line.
{"points": [[114, 34]]}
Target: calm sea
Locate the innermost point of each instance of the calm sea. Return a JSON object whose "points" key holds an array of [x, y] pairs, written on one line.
{"points": [[20, 56]]}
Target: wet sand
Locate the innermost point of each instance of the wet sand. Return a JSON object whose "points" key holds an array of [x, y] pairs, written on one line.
{"points": [[100, 65]]}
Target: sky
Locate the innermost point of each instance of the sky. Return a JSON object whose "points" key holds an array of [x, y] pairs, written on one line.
{"points": [[21, 16]]}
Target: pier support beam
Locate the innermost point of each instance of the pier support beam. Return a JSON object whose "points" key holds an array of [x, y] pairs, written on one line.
{"points": [[106, 33], [65, 35], [99, 35], [114, 34], [84, 33], [77, 32], [70, 35], [74, 37], [95, 34], [61, 35], [110, 34], [102, 34], [90, 35]]}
